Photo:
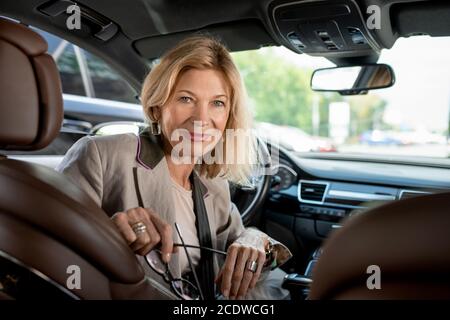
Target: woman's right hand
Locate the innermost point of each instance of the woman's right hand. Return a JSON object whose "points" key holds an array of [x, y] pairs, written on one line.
{"points": [[157, 231]]}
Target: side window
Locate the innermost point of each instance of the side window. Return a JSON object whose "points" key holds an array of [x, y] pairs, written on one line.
{"points": [[69, 71], [64, 55], [108, 84], [85, 74]]}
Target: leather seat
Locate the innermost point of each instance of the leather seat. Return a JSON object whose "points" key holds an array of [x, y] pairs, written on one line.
{"points": [[47, 224], [409, 240]]}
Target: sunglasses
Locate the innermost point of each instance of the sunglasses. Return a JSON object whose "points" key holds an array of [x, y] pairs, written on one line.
{"points": [[183, 288]]}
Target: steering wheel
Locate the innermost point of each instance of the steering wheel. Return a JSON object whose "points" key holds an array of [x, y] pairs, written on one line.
{"points": [[250, 199]]}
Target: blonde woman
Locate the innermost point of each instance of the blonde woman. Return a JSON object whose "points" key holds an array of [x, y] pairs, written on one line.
{"points": [[162, 177]]}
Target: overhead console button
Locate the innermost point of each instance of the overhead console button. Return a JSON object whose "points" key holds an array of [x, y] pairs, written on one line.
{"points": [[329, 29], [295, 40]]}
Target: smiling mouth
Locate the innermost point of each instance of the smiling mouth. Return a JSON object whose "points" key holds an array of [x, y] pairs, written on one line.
{"points": [[199, 137]]}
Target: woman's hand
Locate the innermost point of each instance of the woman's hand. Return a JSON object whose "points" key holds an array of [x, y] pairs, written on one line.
{"points": [[236, 278], [156, 231]]}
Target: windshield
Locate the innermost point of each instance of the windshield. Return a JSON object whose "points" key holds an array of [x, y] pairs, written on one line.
{"points": [[409, 119]]}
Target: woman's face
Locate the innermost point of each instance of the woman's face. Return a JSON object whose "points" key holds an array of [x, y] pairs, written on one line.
{"points": [[197, 112]]}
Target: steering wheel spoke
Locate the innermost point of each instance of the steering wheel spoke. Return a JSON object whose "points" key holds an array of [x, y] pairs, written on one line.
{"points": [[249, 199]]}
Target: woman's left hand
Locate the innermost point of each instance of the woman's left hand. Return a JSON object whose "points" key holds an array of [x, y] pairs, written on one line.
{"points": [[236, 278]]}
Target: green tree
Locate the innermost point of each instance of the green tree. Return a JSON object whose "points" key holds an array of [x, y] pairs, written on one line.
{"points": [[280, 93], [278, 90]]}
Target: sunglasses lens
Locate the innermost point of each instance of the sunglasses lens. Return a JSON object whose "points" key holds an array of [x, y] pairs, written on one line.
{"points": [[155, 261], [186, 290]]}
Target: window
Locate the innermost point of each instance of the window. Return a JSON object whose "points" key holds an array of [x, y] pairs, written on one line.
{"points": [[69, 71], [107, 83], [410, 119], [85, 74]]}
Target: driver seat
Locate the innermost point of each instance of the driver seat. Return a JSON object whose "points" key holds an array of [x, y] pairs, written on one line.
{"points": [[55, 242]]}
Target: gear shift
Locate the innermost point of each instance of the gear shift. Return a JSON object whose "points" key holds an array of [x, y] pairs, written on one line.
{"points": [[298, 285]]}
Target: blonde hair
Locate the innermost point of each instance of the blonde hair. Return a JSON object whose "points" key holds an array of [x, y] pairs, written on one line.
{"points": [[206, 52]]}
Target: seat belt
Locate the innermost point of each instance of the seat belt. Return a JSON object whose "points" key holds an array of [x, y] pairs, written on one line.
{"points": [[205, 269]]}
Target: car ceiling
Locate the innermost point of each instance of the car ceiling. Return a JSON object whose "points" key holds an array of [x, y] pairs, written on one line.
{"points": [[147, 28]]}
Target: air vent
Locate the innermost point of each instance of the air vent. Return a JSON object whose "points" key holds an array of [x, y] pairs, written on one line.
{"points": [[312, 191]]}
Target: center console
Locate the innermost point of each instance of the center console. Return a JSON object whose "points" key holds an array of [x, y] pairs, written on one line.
{"points": [[298, 284]]}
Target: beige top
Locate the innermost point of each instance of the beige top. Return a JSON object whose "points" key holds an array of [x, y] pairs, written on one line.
{"points": [[185, 218]]}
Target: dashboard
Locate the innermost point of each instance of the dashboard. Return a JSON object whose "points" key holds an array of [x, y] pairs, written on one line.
{"points": [[320, 193]]}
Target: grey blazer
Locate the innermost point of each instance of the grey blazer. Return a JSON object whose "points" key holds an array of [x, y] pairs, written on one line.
{"points": [[117, 170]]}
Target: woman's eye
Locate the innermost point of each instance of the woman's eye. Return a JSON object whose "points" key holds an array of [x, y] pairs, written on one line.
{"points": [[185, 99], [219, 103]]}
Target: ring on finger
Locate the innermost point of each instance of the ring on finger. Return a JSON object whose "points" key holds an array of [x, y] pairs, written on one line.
{"points": [[252, 266], [139, 228]]}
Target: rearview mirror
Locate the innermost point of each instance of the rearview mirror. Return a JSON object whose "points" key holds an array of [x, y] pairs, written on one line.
{"points": [[354, 79]]}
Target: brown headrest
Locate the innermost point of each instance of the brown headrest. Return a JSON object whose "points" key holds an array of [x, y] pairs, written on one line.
{"points": [[31, 106], [409, 240]]}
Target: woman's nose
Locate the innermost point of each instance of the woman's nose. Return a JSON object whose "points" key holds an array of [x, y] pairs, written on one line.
{"points": [[202, 112]]}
